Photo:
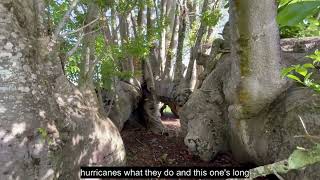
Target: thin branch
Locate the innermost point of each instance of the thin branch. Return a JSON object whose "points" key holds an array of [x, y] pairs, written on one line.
{"points": [[307, 135], [310, 136], [303, 125], [65, 18], [92, 66], [81, 28], [73, 50], [115, 84], [113, 96], [278, 175], [134, 25], [76, 46]]}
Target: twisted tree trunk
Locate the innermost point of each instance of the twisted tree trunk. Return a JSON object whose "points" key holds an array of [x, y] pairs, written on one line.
{"points": [[48, 127], [245, 106]]}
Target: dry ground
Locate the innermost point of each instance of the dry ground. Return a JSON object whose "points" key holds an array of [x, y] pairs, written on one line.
{"points": [[145, 148]]}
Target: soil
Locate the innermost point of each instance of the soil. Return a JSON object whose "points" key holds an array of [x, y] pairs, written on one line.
{"points": [[145, 148]]}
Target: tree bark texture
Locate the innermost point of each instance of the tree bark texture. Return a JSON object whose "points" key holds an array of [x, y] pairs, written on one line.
{"points": [[48, 128]]}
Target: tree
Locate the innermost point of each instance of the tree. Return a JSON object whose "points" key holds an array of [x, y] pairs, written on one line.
{"points": [[49, 127], [66, 66], [245, 101], [154, 46]]}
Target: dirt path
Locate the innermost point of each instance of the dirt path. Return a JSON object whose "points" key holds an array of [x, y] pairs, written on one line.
{"points": [[145, 148]]}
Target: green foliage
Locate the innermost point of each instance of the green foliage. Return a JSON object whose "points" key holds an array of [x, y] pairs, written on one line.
{"points": [[125, 6], [154, 32], [72, 67], [100, 45], [298, 18], [293, 13], [108, 70], [192, 35], [138, 47], [167, 109], [57, 10], [109, 67], [302, 73], [44, 135], [211, 18], [309, 27], [105, 3], [315, 57], [302, 157]]}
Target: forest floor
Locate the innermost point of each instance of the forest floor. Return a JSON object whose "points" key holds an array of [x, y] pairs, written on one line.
{"points": [[145, 148]]}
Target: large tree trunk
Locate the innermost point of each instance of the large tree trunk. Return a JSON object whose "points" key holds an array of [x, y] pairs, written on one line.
{"points": [[48, 128], [120, 104], [256, 50], [189, 81], [245, 106], [270, 134]]}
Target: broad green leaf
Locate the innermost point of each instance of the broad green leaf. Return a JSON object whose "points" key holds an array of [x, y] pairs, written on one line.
{"points": [[301, 70], [291, 76], [308, 65], [317, 60], [284, 3], [294, 13], [313, 56], [286, 71]]}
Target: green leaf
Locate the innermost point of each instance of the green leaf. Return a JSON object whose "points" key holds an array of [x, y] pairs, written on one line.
{"points": [[308, 75], [308, 65], [301, 158], [291, 76], [316, 61], [312, 56], [294, 13], [283, 4], [307, 81], [301, 70], [286, 71], [43, 134], [211, 18]]}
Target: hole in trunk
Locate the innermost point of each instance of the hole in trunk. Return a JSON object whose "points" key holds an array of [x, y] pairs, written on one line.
{"points": [[170, 120]]}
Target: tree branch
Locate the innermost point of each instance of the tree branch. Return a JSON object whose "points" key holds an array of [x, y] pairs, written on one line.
{"points": [[81, 28], [65, 18]]}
